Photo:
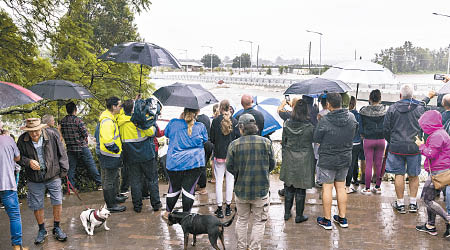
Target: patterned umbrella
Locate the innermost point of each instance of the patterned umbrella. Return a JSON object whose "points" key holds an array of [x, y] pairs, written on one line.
{"points": [[12, 94]]}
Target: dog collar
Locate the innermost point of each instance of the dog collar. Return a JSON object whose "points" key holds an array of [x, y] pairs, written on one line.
{"points": [[97, 217]]}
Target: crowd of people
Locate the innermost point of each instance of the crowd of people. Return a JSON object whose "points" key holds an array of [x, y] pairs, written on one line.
{"points": [[319, 148]]}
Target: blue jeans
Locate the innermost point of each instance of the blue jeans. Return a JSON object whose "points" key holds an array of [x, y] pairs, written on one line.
{"points": [[447, 198], [85, 157], [11, 202]]}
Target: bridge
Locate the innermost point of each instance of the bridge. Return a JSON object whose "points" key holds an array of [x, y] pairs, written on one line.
{"points": [[390, 91]]}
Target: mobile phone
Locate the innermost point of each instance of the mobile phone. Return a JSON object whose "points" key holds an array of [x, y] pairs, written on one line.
{"points": [[439, 77], [287, 98]]}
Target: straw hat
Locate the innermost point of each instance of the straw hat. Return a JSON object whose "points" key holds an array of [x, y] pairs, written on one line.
{"points": [[33, 124]]}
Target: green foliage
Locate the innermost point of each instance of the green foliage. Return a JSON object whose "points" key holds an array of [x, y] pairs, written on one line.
{"points": [[269, 71], [280, 69], [206, 60], [408, 58], [245, 61]]}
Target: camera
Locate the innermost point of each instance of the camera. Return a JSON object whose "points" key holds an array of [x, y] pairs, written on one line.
{"points": [[439, 77]]}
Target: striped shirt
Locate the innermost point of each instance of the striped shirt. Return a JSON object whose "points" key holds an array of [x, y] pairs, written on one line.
{"points": [[250, 159]]}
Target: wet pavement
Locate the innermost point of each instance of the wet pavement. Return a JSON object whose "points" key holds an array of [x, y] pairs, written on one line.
{"points": [[373, 224]]}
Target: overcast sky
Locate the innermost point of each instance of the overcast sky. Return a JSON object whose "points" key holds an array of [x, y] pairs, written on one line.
{"points": [[279, 27]]}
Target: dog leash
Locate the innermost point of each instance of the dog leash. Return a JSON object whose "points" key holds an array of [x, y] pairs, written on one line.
{"points": [[70, 186]]}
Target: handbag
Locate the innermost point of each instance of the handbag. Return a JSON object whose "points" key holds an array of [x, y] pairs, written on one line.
{"points": [[439, 180]]}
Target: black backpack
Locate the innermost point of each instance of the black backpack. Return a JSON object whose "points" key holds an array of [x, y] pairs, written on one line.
{"points": [[145, 113]]}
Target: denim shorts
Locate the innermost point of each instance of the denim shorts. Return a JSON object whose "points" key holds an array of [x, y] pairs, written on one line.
{"points": [[402, 164], [329, 176], [36, 193]]}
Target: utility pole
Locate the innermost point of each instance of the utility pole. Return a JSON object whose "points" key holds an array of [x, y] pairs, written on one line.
{"points": [[448, 60], [355, 54], [309, 58], [257, 59], [320, 44]]}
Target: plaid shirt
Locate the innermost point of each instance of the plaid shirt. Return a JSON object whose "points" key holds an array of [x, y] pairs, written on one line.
{"points": [[74, 133], [250, 159]]}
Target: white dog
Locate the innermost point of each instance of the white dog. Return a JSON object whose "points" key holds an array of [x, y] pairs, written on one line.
{"points": [[92, 218]]}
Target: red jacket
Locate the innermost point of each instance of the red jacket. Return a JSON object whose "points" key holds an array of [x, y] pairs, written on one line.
{"points": [[159, 133]]}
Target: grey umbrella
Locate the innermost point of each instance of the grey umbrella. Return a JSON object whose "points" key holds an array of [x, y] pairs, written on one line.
{"points": [[316, 86], [192, 96], [12, 94], [60, 90], [141, 53]]}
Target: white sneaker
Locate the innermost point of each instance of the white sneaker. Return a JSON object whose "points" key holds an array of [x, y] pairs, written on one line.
{"points": [[376, 190], [350, 190], [366, 191]]}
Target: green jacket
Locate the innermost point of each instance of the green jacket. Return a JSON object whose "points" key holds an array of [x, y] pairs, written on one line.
{"points": [[250, 159], [297, 167]]}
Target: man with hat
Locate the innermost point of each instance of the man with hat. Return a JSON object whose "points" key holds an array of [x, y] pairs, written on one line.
{"points": [[45, 162], [250, 159]]}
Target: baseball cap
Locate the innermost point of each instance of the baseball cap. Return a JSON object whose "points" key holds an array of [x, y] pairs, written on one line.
{"points": [[246, 119]]}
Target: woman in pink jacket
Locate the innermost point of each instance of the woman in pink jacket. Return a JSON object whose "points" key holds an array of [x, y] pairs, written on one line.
{"points": [[437, 153]]}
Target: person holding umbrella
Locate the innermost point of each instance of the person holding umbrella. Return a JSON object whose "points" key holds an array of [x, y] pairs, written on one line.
{"points": [[76, 136], [110, 150], [185, 158], [247, 102]]}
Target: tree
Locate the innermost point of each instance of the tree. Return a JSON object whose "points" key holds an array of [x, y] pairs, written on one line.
{"points": [[206, 60], [245, 61], [408, 58]]}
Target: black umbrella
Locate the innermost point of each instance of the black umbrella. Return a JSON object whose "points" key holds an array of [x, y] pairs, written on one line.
{"points": [[141, 53], [192, 96], [60, 90], [12, 94], [317, 86]]}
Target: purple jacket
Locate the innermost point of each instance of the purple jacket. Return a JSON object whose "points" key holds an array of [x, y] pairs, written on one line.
{"points": [[437, 147]]}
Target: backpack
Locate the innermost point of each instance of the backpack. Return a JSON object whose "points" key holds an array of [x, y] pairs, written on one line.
{"points": [[145, 113]]}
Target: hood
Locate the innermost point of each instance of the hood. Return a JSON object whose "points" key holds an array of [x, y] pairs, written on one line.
{"points": [[339, 117], [296, 127], [373, 110], [106, 114], [406, 105], [431, 121], [122, 118]]}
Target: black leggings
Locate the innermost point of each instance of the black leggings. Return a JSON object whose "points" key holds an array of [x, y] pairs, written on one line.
{"points": [[182, 182], [208, 146]]}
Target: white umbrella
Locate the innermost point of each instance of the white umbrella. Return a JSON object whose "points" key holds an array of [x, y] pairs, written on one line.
{"points": [[360, 72]]}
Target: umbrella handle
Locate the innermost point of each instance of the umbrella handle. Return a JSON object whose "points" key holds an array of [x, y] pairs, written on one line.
{"points": [[140, 80]]}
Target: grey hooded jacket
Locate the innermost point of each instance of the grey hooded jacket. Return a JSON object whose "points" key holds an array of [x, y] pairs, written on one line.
{"points": [[401, 126], [335, 133]]}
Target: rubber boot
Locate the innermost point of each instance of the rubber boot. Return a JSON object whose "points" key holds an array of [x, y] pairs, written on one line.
{"points": [[110, 199], [288, 202], [300, 196]]}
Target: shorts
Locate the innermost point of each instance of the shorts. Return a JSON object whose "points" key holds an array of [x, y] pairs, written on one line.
{"points": [[329, 176], [402, 164], [36, 193]]}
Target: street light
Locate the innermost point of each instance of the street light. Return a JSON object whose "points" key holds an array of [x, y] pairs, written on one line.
{"points": [[320, 42], [185, 51], [448, 60], [210, 47], [251, 51]]}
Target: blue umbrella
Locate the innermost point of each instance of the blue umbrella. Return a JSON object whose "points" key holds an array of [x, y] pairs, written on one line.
{"points": [[268, 107]]}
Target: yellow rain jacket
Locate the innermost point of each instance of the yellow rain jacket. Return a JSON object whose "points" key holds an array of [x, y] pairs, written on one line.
{"points": [[137, 143], [110, 144]]}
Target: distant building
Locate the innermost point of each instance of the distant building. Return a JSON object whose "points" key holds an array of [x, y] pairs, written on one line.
{"points": [[191, 66]]}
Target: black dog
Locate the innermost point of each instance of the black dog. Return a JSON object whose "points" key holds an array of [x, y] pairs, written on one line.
{"points": [[200, 224]]}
